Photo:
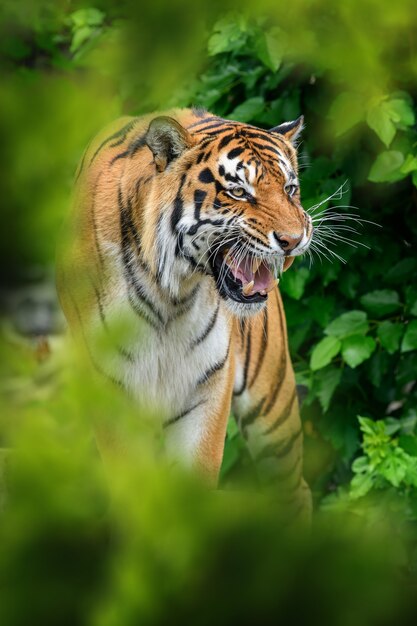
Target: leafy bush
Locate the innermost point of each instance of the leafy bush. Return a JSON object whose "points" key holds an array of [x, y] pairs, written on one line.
{"points": [[351, 313]]}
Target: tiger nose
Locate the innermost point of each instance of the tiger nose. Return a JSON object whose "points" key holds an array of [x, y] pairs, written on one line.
{"points": [[288, 242]]}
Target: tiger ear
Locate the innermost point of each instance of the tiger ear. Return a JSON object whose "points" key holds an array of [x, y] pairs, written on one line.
{"points": [[290, 130], [167, 140]]}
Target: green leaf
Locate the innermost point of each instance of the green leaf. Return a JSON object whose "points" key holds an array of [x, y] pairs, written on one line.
{"points": [[231, 455], [320, 309], [366, 425], [81, 35], [360, 465], [377, 367], [87, 17], [411, 299], [357, 349], [386, 167], [228, 35], [327, 381], [390, 335], [347, 110], [360, 485], [379, 119], [410, 164], [401, 111], [269, 48], [324, 352], [394, 467], [401, 271], [410, 338], [248, 110], [381, 302], [232, 428], [351, 323], [392, 425], [409, 444], [294, 281]]}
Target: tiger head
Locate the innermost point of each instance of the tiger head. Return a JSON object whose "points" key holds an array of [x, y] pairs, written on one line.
{"points": [[236, 211]]}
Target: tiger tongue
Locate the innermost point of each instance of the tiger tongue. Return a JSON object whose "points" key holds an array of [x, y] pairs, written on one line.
{"points": [[256, 277]]}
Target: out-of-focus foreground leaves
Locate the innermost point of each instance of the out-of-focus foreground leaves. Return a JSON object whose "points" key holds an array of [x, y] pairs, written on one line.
{"points": [[159, 548]]}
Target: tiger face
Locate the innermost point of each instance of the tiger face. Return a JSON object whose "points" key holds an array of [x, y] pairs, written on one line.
{"points": [[237, 213]]}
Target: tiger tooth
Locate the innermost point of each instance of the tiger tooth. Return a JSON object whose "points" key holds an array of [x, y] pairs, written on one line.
{"points": [[255, 265], [246, 289]]}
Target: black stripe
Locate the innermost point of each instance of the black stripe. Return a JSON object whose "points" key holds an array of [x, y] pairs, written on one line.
{"points": [[235, 153], [186, 299], [282, 366], [250, 417], [122, 133], [178, 206], [99, 303], [185, 305], [141, 312], [126, 354], [262, 148], [81, 165], [246, 366], [215, 368], [118, 383], [122, 351], [199, 197], [279, 450], [172, 420], [95, 228], [225, 141], [285, 414], [129, 273], [242, 330], [209, 328], [206, 176], [222, 123], [133, 147], [207, 120], [262, 350], [258, 134]]}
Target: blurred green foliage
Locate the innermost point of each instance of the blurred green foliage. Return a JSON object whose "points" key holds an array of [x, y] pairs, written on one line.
{"points": [[159, 545]]}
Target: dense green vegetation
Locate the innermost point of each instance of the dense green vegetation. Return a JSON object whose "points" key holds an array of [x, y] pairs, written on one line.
{"points": [[67, 69]]}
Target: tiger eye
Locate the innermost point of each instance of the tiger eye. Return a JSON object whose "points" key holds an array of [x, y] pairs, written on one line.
{"points": [[239, 192]]}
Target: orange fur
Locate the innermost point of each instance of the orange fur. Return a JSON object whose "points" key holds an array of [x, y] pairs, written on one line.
{"points": [[121, 180]]}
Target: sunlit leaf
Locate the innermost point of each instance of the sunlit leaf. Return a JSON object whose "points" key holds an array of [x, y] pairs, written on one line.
{"points": [[386, 167], [248, 110], [381, 302], [390, 335], [409, 341], [350, 323], [324, 352], [380, 120], [357, 349]]}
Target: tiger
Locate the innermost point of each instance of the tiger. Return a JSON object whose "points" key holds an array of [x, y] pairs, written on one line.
{"points": [[185, 221]]}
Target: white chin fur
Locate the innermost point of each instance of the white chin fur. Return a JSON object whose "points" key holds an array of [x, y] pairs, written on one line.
{"points": [[244, 310]]}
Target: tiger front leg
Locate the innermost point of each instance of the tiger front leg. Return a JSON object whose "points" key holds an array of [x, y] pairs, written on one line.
{"points": [[195, 438], [266, 407], [275, 441]]}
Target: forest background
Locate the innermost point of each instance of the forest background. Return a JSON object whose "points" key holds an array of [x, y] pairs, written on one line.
{"points": [[70, 67]]}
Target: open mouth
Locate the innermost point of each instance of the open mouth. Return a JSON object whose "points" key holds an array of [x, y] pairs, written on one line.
{"points": [[244, 279]]}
